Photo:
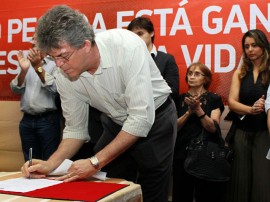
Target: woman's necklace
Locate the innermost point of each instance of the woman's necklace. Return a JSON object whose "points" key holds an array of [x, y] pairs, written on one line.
{"points": [[192, 94]]}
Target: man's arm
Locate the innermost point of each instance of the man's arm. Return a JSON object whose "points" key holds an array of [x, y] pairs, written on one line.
{"points": [[66, 150], [24, 63], [36, 59]]}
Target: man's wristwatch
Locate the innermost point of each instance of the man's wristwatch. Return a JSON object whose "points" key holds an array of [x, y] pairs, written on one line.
{"points": [[39, 69], [94, 161]]}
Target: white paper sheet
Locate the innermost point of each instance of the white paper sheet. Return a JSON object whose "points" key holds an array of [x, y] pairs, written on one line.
{"points": [[25, 184], [64, 166]]}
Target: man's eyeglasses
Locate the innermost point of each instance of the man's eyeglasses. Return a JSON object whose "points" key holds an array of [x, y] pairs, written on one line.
{"points": [[196, 74], [63, 59]]}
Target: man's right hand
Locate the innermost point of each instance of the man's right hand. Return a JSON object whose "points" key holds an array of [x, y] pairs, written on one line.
{"points": [[35, 57], [39, 169]]}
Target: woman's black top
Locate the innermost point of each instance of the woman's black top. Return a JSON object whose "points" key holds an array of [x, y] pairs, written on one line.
{"points": [[249, 93], [193, 128]]}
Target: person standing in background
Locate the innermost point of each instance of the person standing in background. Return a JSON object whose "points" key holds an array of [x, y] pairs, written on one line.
{"points": [[250, 180], [40, 126], [168, 68], [199, 108]]}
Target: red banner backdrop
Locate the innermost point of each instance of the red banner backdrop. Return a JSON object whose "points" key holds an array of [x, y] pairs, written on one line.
{"points": [[207, 31]]}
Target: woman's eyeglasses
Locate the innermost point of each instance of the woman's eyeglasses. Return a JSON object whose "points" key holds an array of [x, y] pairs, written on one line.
{"points": [[195, 74]]}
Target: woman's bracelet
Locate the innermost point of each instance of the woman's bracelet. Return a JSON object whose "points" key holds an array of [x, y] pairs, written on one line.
{"points": [[201, 117]]}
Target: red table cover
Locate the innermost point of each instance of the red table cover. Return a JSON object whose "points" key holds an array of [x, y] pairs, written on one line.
{"points": [[78, 190]]}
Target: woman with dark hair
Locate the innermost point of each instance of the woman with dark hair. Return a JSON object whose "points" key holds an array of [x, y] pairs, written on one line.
{"points": [[250, 169], [199, 108]]}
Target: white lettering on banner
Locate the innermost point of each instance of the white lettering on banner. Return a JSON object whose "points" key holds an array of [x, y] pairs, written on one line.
{"points": [[218, 48], [235, 19], [236, 13], [181, 13], [256, 13], [14, 63], [144, 12], [120, 15], [163, 13], [2, 62], [98, 20], [208, 55], [231, 60], [183, 2], [186, 54], [214, 21], [27, 29], [15, 26], [12, 30]]}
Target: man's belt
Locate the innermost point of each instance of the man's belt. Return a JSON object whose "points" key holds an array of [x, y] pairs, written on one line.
{"points": [[42, 114], [164, 105]]}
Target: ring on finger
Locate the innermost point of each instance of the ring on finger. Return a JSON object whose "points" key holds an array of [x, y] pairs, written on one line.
{"points": [[69, 175]]}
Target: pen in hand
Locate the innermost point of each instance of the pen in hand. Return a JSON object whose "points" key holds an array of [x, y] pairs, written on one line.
{"points": [[30, 159]]}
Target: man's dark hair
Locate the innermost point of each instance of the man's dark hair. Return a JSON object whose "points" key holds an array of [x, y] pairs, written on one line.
{"points": [[142, 23]]}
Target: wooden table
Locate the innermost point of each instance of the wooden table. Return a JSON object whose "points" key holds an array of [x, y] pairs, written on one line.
{"points": [[131, 193]]}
